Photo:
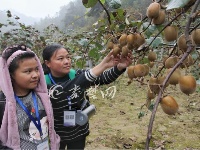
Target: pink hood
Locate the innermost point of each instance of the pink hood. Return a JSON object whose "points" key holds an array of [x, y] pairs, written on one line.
{"points": [[9, 134]]}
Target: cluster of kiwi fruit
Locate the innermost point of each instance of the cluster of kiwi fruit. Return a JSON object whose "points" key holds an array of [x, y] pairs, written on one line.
{"points": [[187, 83], [138, 70], [155, 13], [126, 43]]}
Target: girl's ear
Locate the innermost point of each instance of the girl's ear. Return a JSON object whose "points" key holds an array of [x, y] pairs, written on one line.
{"points": [[47, 63], [12, 77]]}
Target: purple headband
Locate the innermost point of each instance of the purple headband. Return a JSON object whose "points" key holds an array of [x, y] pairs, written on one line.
{"points": [[13, 56]]}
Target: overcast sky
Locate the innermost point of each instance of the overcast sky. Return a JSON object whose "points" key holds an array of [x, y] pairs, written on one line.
{"points": [[34, 8]]}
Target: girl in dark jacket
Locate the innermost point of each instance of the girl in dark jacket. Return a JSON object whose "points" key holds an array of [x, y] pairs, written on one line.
{"points": [[67, 90]]}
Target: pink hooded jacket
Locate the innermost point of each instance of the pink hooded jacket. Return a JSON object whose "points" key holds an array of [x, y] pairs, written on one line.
{"points": [[9, 134]]}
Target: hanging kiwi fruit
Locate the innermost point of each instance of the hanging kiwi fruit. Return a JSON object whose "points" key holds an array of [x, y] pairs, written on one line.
{"points": [[160, 19], [151, 56], [170, 33], [153, 10], [174, 78], [196, 36], [130, 72], [187, 84], [122, 40], [169, 105]]}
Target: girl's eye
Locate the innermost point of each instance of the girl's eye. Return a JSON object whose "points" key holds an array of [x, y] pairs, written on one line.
{"points": [[68, 57], [60, 58], [27, 71]]}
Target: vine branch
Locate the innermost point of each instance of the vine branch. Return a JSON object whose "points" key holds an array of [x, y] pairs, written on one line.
{"points": [[109, 20]]}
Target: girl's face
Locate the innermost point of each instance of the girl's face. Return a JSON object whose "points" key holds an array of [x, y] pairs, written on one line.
{"points": [[26, 76], [60, 63]]}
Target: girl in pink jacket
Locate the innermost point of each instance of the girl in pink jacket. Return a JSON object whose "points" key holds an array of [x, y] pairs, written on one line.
{"points": [[28, 121]]}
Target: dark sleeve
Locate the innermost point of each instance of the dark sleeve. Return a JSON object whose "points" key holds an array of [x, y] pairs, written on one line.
{"points": [[108, 76], [82, 81]]}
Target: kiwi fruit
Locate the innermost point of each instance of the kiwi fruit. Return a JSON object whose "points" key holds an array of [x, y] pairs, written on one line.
{"points": [[161, 80], [174, 78], [139, 70], [152, 56], [187, 84], [182, 42], [187, 62], [130, 72], [169, 105], [196, 36], [171, 61], [122, 39], [170, 33], [190, 60], [130, 46], [179, 52], [153, 10], [116, 51], [110, 45], [125, 51], [139, 40], [146, 69], [160, 19], [131, 38]]}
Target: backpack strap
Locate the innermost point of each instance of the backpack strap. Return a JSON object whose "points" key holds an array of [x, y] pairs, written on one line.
{"points": [[48, 80], [2, 106], [72, 74]]}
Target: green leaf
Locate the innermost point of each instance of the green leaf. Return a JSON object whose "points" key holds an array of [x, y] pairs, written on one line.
{"points": [[157, 42], [83, 42], [115, 4], [94, 53], [151, 106], [122, 26], [141, 114], [177, 4], [80, 63], [90, 3], [136, 24]]}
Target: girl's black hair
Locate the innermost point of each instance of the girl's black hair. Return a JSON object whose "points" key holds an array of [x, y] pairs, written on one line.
{"points": [[47, 53], [15, 63]]}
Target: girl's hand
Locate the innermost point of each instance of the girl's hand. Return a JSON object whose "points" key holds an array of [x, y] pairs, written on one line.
{"points": [[110, 61], [125, 61]]}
